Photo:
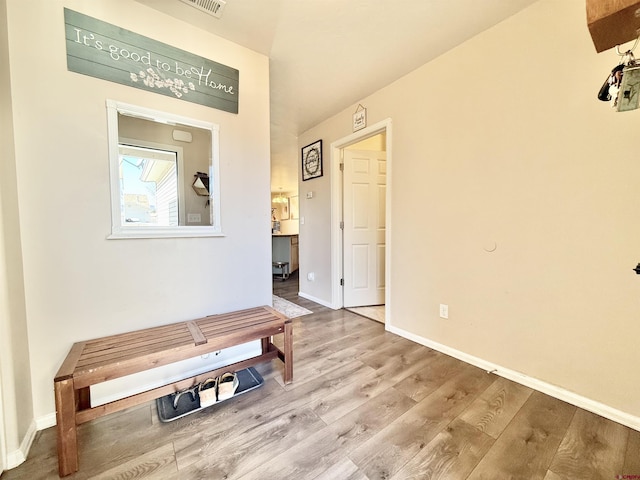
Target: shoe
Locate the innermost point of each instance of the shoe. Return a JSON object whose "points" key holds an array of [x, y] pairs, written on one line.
{"points": [[227, 386], [208, 392], [176, 396]]}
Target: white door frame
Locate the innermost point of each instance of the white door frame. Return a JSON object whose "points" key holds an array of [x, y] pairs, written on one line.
{"points": [[3, 438], [337, 297]]}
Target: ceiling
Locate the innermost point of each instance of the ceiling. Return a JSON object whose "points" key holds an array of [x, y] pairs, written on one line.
{"points": [[327, 55]]}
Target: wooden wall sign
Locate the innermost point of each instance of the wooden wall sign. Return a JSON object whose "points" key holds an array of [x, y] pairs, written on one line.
{"points": [[104, 51], [612, 22], [359, 118]]}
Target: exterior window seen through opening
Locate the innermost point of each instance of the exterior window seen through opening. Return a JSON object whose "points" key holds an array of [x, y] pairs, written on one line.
{"points": [[148, 186]]}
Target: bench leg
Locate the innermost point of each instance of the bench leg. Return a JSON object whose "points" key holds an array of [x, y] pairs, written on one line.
{"points": [[83, 398], [288, 352], [265, 342], [66, 427]]}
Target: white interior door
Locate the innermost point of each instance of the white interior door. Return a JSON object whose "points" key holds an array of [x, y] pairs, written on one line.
{"points": [[365, 183]]}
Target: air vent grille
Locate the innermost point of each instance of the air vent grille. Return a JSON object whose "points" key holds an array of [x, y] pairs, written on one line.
{"points": [[212, 7]]}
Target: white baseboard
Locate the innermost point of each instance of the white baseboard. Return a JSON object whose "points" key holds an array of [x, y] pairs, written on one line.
{"points": [[46, 421], [16, 457], [317, 300], [555, 391]]}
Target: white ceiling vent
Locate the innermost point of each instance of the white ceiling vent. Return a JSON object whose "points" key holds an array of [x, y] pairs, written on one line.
{"points": [[212, 7]]}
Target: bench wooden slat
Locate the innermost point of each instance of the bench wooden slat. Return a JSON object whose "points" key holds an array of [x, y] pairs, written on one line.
{"points": [[184, 336], [196, 333], [213, 329], [176, 331], [215, 325], [69, 365], [141, 345], [243, 335], [125, 337], [225, 322], [250, 315], [118, 356]]}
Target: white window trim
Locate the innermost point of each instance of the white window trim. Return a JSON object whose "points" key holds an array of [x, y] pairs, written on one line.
{"points": [[119, 231]]}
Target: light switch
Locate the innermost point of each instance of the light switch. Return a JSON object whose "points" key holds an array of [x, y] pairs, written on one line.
{"points": [[309, 194]]}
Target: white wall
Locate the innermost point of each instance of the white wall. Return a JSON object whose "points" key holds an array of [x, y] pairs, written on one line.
{"points": [[502, 142], [78, 285], [15, 385]]}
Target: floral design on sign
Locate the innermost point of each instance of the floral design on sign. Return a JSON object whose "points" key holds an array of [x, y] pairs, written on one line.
{"points": [[152, 79]]}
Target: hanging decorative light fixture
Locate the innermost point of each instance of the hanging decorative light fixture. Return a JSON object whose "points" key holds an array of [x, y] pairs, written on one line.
{"points": [[279, 198]]}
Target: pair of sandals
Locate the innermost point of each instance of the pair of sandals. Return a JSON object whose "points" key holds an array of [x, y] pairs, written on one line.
{"points": [[214, 390]]}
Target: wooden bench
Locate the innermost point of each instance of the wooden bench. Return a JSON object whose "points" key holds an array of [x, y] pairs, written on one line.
{"points": [[95, 361]]}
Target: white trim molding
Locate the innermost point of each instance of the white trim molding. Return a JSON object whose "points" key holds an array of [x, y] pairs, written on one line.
{"points": [[121, 230], [46, 421], [17, 457], [555, 391], [318, 300]]}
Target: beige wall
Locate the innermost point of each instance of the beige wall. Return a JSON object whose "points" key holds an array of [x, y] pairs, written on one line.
{"points": [[77, 284], [503, 142], [15, 376]]}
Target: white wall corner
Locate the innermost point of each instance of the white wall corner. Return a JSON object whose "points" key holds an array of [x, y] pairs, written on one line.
{"points": [[555, 391], [17, 457]]}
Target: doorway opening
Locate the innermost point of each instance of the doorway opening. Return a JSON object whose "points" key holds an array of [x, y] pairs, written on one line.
{"points": [[361, 174]]}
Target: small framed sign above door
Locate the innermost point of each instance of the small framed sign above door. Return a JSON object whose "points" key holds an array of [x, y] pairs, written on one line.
{"points": [[359, 118]]}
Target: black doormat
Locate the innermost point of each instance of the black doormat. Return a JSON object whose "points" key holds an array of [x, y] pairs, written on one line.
{"points": [[248, 379]]}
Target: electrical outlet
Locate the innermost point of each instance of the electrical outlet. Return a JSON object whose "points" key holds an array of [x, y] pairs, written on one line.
{"points": [[311, 276], [444, 311]]}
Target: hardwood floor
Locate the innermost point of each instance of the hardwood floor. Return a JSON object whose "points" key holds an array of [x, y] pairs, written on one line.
{"points": [[364, 404]]}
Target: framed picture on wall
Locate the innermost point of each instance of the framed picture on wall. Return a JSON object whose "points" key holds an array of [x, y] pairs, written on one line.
{"points": [[312, 160]]}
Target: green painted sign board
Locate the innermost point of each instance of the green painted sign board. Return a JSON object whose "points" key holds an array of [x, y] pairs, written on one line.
{"points": [[104, 51]]}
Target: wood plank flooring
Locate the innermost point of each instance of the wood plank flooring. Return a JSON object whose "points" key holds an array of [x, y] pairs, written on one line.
{"points": [[364, 404]]}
